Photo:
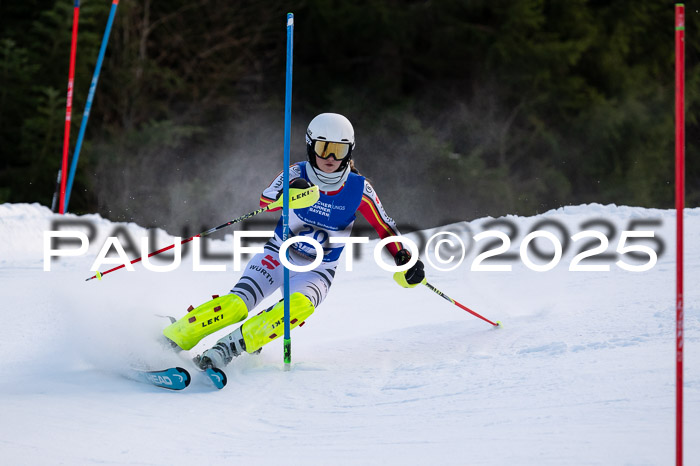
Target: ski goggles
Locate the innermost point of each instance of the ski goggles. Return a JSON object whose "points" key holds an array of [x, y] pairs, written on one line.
{"points": [[326, 149]]}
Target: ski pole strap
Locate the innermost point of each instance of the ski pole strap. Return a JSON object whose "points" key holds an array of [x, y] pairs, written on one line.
{"points": [[461, 306]]}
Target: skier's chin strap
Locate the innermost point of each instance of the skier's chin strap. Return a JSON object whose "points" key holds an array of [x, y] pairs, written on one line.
{"points": [[327, 182]]}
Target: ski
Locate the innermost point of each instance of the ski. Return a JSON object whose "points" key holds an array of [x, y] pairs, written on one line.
{"points": [[217, 377], [177, 378], [174, 378]]}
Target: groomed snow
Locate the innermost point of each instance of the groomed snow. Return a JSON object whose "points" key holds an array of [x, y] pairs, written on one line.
{"points": [[582, 372]]}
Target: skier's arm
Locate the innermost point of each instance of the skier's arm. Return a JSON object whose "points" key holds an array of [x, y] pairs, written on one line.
{"points": [[270, 193], [372, 210], [274, 189]]}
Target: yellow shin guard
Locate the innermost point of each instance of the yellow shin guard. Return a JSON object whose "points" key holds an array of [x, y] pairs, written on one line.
{"points": [[269, 325], [206, 319]]}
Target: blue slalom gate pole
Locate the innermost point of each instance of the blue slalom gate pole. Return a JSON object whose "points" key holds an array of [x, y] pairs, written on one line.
{"points": [[88, 102], [285, 170]]}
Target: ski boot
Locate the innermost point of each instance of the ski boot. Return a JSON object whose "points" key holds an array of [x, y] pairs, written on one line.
{"points": [[229, 347]]}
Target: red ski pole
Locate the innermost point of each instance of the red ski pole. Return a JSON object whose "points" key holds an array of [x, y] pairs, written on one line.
{"points": [[298, 199], [461, 306]]}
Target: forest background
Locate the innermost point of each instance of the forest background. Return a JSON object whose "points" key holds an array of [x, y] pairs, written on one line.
{"points": [[461, 109]]}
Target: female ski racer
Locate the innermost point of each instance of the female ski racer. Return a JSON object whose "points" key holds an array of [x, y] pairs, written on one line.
{"points": [[330, 142]]}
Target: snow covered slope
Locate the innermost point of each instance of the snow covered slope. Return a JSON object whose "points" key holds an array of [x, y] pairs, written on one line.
{"points": [[582, 371]]}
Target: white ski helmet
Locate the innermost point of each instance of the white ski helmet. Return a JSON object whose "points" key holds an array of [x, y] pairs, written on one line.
{"points": [[330, 135]]}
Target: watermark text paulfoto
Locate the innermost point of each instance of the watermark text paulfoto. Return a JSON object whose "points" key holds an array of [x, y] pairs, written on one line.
{"points": [[600, 244]]}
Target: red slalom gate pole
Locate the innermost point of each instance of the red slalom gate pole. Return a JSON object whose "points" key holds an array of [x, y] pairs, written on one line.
{"points": [[69, 107], [680, 204]]}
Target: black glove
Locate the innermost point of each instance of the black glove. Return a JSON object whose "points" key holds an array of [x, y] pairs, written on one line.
{"points": [[415, 274], [300, 183], [297, 183]]}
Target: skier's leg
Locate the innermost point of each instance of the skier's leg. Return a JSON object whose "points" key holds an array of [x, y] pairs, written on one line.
{"points": [[313, 284], [257, 331], [263, 275], [205, 320], [308, 291]]}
